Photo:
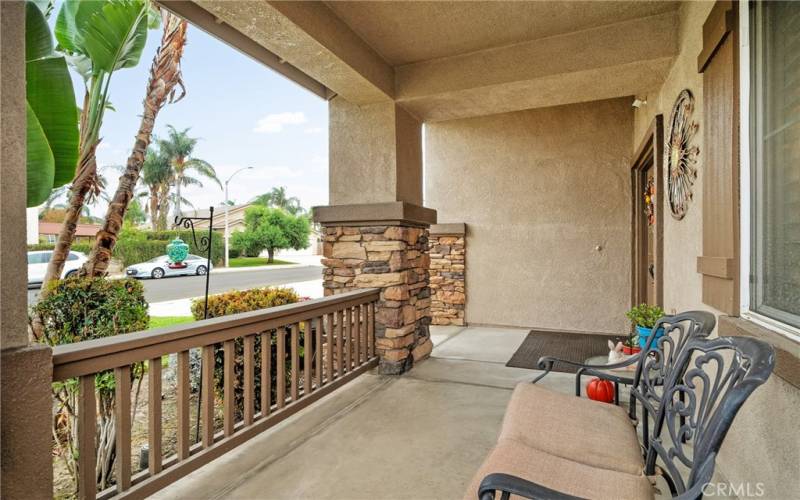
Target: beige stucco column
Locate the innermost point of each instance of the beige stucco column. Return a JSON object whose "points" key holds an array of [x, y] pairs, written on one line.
{"points": [[376, 231], [25, 371]]}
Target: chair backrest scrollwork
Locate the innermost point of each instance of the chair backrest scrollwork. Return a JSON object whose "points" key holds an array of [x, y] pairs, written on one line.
{"points": [[705, 386]]}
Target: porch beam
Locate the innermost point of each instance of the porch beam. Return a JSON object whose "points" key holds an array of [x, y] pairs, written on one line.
{"points": [[610, 61], [310, 37]]}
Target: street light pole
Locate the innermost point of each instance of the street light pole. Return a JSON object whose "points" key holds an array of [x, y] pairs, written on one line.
{"points": [[227, 206]]}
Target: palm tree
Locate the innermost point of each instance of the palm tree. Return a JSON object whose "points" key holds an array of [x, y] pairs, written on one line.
{"points": [[165, 75], [179, 147], [277, 198], [121, 28], [156, 174]]}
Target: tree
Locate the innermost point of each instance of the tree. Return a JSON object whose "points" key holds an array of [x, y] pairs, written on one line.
{"points": [[165, 76], [277, 198], [271, 229], [178, 147], [155, 175], [135, 213], [98, 38], [52, 116]]}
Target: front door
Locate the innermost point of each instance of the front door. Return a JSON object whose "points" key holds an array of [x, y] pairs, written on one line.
{"points": [[647, 204]]}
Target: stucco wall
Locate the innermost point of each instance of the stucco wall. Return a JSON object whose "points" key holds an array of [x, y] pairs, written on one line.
{"points": [[758, 448], [683, 239], [540, 190]]}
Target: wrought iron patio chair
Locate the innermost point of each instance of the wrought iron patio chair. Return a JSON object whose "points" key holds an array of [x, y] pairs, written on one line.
{"points": [[692, 399]]}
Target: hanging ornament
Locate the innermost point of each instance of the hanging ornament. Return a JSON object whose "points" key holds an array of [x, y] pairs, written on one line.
{"points": [[177, 251]]}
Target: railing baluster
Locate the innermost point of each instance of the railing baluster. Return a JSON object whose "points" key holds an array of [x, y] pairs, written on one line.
{"points": [[308, 355], [357, 335], [280, 361], [295, 361], [348, 333], [87, 428], [371, 329], [122, 389], [207, 397], [329, 337], [229, 402], [318, 352], [339, 344], [182, 403], [266, 373], [249, 381], [154, 415]]}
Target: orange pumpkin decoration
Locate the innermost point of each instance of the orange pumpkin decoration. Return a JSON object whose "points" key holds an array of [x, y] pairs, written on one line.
{"points": [[600, 390]]}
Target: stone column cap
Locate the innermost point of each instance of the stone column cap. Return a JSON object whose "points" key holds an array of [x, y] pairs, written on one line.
{"points": [[450, 229], [398, 213]]}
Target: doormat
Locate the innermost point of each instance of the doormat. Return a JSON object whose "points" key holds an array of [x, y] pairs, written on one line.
{"points": [[575, 347]]}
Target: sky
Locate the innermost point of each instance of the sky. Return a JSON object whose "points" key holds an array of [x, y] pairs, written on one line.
{"points": [[244, 113]]}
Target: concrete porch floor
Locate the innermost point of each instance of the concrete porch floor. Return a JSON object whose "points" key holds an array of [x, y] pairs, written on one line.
{"points": [[422, 435]]}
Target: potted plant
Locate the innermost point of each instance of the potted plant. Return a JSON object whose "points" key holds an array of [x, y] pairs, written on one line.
{"points": [[644, 318], [631, 344]]}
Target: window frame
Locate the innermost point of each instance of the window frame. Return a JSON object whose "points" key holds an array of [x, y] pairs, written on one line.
{"points": [[745, 174]]}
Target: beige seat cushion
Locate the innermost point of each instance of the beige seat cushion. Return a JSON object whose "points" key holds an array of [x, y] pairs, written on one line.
{"points": [[565, 476], [597, 434]]}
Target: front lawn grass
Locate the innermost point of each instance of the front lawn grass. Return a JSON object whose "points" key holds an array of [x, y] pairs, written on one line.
{"points": [[255, 261], [161, 321]]}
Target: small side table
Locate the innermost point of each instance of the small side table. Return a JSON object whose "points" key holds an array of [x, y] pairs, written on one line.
{"points": [[618, 376]]}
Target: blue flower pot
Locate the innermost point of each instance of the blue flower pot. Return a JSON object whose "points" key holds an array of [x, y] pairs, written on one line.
{"points": [[644, 334]]}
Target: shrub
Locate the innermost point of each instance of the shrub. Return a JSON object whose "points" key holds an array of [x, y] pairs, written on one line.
{"points": [[79, 309], [76, 247], [244, 301], [234, 253], [239, 301]]}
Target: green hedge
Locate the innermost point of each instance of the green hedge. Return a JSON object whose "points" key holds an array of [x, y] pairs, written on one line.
{"points": [[136, 246], [78, 247]]}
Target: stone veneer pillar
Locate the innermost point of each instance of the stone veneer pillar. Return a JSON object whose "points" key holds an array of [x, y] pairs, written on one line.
{"points": [[385, 246], [447, 243]]}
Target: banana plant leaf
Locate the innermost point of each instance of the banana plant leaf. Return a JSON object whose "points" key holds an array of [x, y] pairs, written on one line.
{"points": [[52, 128], [112, 34]]}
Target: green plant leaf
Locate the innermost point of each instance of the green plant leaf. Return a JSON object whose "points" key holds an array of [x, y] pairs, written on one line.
{"points": [[46, 6], [51, 98], [114, 37], [40, 162], [38, 41], [72, 15]]}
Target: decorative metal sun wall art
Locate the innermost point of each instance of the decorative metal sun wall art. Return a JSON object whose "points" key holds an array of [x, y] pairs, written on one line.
{"points": [[681, 155]]}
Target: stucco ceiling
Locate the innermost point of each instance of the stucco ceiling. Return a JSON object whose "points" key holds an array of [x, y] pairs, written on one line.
{"points": [[407, 32]]}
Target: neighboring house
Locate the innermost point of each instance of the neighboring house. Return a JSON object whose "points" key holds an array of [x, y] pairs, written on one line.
{"points": [[48, 232], [32, 229], [235, 217]]}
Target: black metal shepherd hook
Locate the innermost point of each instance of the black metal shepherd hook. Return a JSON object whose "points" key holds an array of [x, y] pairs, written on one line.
{"points": [[203, 245]]}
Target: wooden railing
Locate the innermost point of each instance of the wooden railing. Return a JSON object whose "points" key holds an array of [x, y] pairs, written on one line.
{"points": [[338, 345]]}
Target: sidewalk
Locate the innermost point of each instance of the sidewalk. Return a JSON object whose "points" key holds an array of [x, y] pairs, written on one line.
{"points": [[183, 307]]}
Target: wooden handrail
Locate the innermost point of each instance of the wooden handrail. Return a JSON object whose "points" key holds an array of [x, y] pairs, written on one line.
{"points": [[93, 356], [335, 337]]}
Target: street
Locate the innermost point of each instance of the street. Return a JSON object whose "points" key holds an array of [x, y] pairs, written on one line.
{"points": [[194, 286]]}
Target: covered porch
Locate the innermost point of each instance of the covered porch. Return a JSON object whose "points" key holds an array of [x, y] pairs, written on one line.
{"points": [[422, 435], [487, 167]]}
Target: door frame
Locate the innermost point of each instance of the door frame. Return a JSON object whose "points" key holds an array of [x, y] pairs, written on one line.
{"points": [[651, 148]]}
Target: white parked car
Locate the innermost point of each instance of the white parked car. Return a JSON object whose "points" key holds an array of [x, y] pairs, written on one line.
{"points": [[160, 267], [38, 260]]}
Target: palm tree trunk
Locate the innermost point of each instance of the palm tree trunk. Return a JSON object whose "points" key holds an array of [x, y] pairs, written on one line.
{"points": [[165, 74], [154, 207]]}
